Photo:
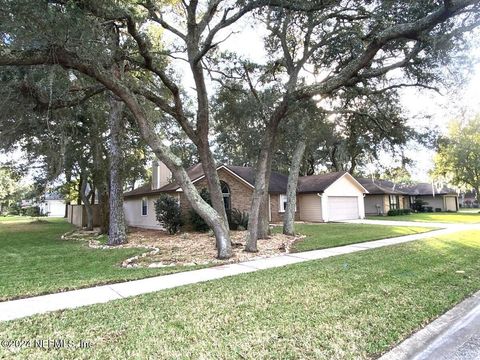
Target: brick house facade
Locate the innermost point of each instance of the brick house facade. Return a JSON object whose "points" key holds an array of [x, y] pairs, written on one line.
{"points": [[237, 186]]}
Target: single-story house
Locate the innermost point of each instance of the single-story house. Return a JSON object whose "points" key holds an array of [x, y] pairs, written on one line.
{"points": [[437, 197], [321, 198], [384, 195]]}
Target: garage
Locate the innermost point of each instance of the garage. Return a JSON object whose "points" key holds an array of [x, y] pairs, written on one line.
{"points": [[343, 208]]}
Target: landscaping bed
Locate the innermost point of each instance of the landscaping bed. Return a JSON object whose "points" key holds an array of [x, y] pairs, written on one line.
{"points": [[199, 248]]}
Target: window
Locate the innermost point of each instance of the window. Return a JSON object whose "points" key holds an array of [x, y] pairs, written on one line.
{"points": [[394, 201], [412, 201], [283, 203], [226, 195], [144, 207]]}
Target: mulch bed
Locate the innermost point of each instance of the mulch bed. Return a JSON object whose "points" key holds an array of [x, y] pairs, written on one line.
{"points": [[199, 248], [185, 249]]}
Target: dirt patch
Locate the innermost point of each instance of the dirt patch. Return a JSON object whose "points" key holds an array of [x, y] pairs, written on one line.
{"points": [[199, 248]]}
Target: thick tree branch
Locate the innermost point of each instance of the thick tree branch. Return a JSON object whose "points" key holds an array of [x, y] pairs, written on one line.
{"points": [[396, 32], [44, 102]]}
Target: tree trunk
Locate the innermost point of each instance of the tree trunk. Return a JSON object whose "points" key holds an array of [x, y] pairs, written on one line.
{"points": [[86, 201], [100, 182], [201, 138], [289, 217], [264, 220], [80, 187], [213, 182], [117, 233], [256, 224]]}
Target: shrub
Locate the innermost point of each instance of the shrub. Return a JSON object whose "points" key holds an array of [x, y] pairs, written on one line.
{"points": [[438, 210], [33, 211], [196, 220], [237, 220], [429, 209], [168, 213], [419, 205], [14, 209], [396, 212]]}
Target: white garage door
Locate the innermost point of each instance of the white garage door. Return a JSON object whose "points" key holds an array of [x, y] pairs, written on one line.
{"points": [[342, 208]]}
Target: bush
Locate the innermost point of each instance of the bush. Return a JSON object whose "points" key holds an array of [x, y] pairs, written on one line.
{"points": [[33, 211], [419, 205], [397, 212], [168, 213], [14, 209], [237, 220], [196, 220], [429, 209], [438, 210]]}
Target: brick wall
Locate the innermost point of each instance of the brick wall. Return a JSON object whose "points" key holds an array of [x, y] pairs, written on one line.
{"points": [[240, 193], [277, 216]]}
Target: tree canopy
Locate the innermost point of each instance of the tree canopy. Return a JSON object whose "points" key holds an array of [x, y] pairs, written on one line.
{"points": [[458, 156]]}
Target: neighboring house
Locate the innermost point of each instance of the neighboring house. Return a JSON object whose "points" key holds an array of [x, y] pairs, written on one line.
{"points": [[382, 197], [53, 205], [385, 195], [468, 199], [321, 198], [443, 198]]}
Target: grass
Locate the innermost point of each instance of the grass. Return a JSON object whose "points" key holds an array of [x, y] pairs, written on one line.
{"points": [[446, 217], [351, 306], [35, 261], [321, 236]]}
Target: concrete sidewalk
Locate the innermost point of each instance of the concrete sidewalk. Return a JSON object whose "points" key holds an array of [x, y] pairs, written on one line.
{"points": [[16, 309], [453, 336]]}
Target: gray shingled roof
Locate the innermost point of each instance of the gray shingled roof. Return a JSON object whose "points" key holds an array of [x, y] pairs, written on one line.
{"points": [[278, 182], [318, 183], [53, 196], [379, 187], [426, 189]]}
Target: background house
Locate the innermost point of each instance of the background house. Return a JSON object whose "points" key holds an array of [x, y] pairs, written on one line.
{"points": [[321, 198], [384, 195], [437, 197]]}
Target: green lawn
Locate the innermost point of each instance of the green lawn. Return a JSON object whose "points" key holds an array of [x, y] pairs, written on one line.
{"points": [[448, 217], [35, 261], [321, 236], [351, 306]]}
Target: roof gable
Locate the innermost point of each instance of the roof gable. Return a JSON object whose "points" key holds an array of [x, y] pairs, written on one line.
{"points": [[318, 183]]}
